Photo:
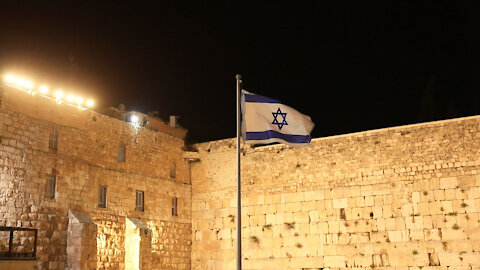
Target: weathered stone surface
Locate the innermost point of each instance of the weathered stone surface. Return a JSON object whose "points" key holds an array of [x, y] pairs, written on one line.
{"points": [[86, 158], [396, 198]]}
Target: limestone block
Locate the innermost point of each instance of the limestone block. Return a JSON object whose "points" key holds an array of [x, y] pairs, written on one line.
{"points": [[377, 211], [369, 200], [407, 210], [293, 207], [451, 194], [294, 197], [334, 261], [279, 218], [415, 197], [323, 227], [313, 216], [340, 203], [360, 201], [381, 224], [466, 181], [333, 227], [448, 183], [439, 195], [362, 261], [416, 235], [473, 193], [433, 234], [397, 236], [449, 259], [453, 234], [390, 224]]}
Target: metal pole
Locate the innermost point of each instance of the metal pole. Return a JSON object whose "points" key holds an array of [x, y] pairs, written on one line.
{"points": [[239, 188]]}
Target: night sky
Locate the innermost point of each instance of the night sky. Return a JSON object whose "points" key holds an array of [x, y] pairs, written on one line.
{"points": [[351, 67]]}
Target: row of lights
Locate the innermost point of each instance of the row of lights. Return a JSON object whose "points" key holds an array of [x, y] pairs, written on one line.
{"points": [[59, 95]]}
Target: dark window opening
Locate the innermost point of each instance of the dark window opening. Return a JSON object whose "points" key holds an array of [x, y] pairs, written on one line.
{"points": [[102, 197], [53, 140], [140, 200], [50, 186], [121, 152], [174, 206], [173, 170]]}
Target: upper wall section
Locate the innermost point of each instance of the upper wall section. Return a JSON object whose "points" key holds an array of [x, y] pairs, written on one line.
{"points": [[93, 137], [395, 198], [363, 158]]}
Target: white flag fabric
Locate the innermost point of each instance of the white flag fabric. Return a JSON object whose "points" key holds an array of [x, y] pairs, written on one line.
{"points": [[265, 120]]}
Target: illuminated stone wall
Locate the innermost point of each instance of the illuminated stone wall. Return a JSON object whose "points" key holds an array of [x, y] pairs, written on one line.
{"points": [[86, 159], [396, 198]]}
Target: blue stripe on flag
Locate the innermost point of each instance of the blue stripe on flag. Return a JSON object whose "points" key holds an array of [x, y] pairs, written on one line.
{"points": [[260, 99], [269, 134]]}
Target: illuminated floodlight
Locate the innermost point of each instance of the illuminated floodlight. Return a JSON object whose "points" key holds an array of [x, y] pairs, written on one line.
{"points": [[27, 84], [19, 82], [58, 94], [43, 89], [70, 97], [79, 100], [89, 103], [134, 119], [10, 78]]}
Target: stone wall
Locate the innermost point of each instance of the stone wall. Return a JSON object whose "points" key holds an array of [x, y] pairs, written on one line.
{"points": [[396, 198], [86, 159]]}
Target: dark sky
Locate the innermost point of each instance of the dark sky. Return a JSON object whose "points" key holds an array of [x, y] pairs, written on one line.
{"points": [[350, 66]]}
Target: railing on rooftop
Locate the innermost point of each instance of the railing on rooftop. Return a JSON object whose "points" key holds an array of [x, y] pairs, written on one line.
{"points": [[18, 243]]}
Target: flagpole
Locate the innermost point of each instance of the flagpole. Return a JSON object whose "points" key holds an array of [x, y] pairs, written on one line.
{"points": [[239, 188]]}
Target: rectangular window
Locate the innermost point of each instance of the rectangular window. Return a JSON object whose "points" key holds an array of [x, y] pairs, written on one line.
{"points": [[102, 197], [173, 170], [121, 152], [140, 200], [53, 141], [174, 206], [50, 186]]}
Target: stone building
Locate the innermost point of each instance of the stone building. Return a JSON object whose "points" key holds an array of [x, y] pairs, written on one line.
{"points": [[100, 192]]}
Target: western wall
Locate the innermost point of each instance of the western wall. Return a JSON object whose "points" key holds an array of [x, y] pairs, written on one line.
{"points": [[396, 198]]}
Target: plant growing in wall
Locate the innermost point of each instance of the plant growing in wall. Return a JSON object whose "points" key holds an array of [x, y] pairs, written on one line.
{"points": [[254, 239], [267, 227], [290, 225]]}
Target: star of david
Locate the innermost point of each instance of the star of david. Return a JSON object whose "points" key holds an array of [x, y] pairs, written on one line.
{"points": [[276, 122]]}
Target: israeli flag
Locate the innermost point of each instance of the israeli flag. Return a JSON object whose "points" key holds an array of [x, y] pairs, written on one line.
{"points": [[266, 120]]}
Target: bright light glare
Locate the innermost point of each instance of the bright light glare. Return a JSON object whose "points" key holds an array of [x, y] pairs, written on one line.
{"points": [[19, 82], [134, 119], [58, 94], [43, 89], [28, 84], [10, 79]]}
